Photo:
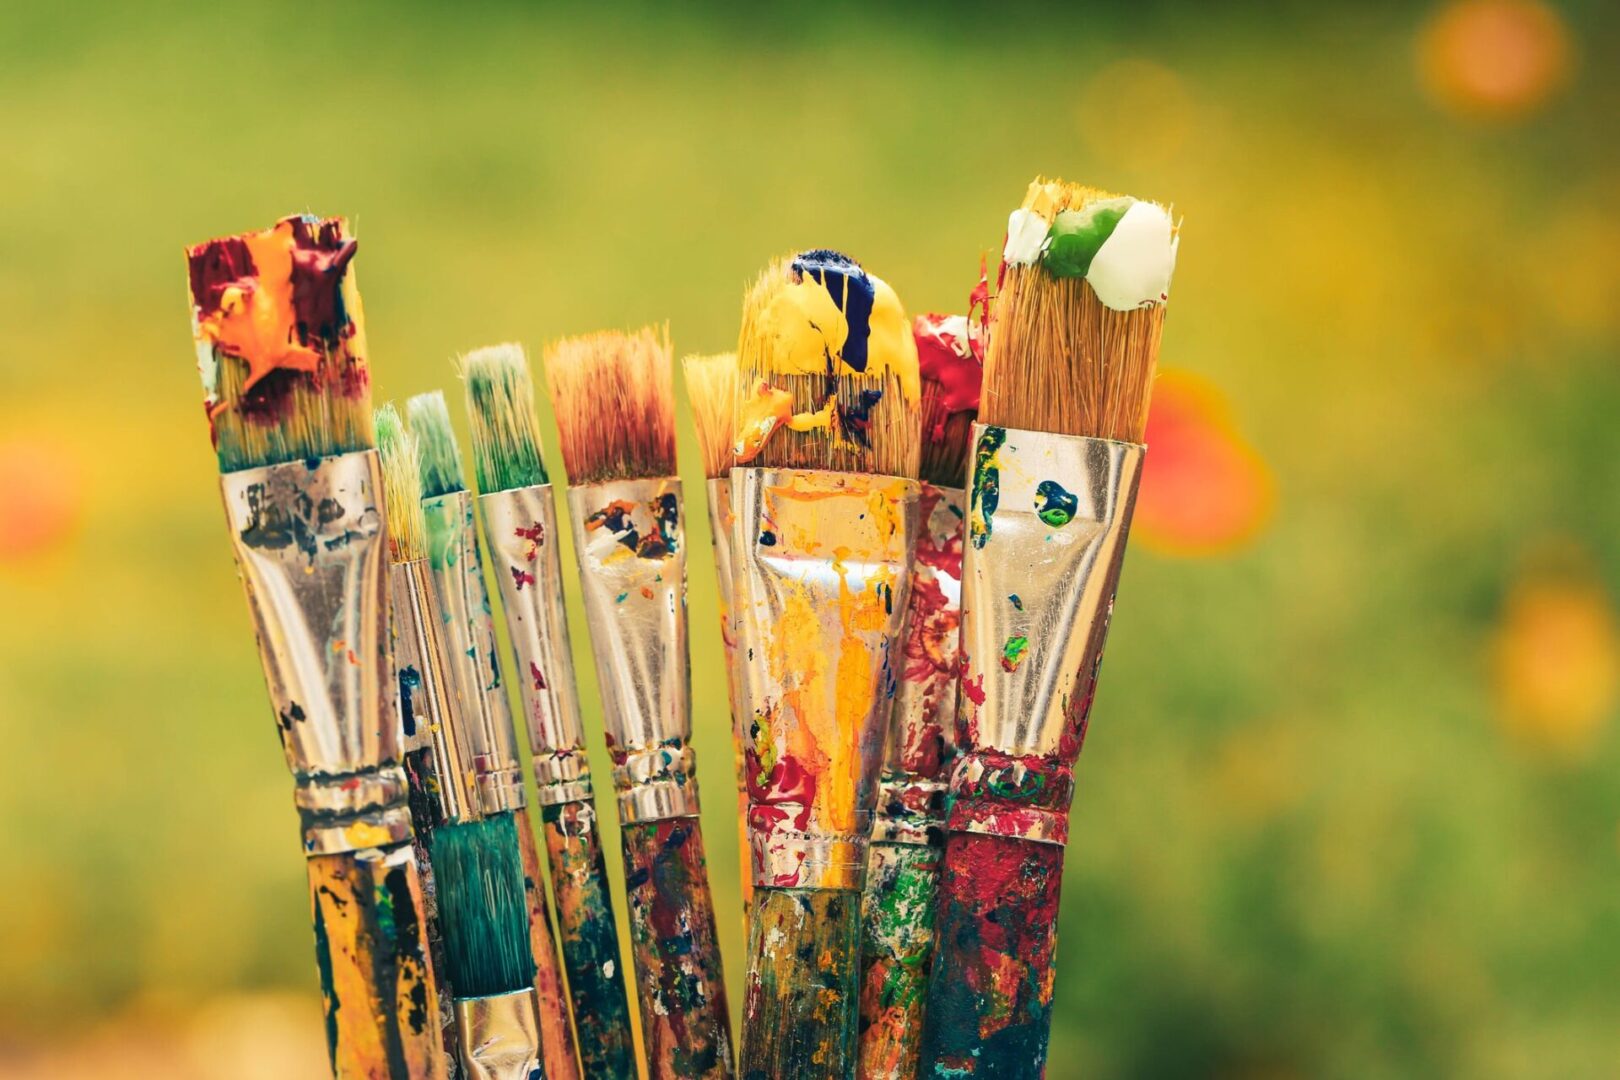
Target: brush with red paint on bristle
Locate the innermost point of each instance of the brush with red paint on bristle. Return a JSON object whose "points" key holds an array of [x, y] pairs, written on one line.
{"points": [[613, 395], [1057, 452]]}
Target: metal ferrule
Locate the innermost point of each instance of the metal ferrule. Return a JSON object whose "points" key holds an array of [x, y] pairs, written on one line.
{"points": [[520, 533], [823, 562], [426, 715], [469, 643], [922, 725], [310, 549], [1047, 520], [721, 528], [630, 539], [500, 1036]]}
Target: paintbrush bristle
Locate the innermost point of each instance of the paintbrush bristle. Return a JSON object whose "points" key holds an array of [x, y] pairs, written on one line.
{"points": [[402, 487], [827, 371], [711, 386], [950, 352], [281, 343], [614, 398], [505, 429], [1060, 358], [478, 876], [436, 446]]}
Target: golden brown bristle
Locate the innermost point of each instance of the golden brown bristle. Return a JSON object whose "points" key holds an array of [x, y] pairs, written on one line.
{"points": [[402, 487], [613, 394], [1057, 359], [711, 386], [946, 439]]}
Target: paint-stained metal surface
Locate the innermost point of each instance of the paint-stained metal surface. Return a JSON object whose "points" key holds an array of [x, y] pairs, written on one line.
{"points": [[556, 1036], [799, 1013], [720, 530], [499, 1035], [422, 698]]}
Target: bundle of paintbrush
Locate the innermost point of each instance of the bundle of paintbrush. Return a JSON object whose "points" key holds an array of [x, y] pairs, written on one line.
{"points": [[519, 516], [1057, 452], [897, 935], [614, 403], [281, 349], [824, 505], [477, 901], [479, 698]]}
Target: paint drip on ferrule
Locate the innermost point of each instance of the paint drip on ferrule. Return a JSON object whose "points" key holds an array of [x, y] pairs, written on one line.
{"points": [[822, 583], [309, 544], [630, 539], [500, 1036], [469, 642], [520, 533], [1047, 522]]}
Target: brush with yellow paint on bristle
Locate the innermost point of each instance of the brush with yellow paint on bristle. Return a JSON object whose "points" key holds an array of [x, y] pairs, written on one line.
{"points": [[1074, 339], [281, 349], [824, 517], [711, 387], [614, 400]]}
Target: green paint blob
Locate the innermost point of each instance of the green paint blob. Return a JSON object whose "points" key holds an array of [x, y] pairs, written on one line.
{"points": [[1012, 653], [1077, 236]]}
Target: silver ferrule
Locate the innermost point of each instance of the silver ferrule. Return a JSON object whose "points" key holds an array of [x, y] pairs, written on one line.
{"points": [[823, 562], [922, 725], [426, 714], [630, 539], [520, 533], [500, 1036], [1047, 521], [476, 692], [721, 529], [310, 548]]}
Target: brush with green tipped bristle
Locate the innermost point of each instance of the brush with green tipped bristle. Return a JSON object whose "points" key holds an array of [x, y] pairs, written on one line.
{"points": [[281, 350], [518, 510]]}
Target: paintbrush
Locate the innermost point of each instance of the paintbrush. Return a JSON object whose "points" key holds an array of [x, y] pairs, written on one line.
{"points": [[1057, 453], [480, 699], [281, 350], [614, 401], [476, 871], [897, 910], [711, 388], [519, 516], [825, 508]]}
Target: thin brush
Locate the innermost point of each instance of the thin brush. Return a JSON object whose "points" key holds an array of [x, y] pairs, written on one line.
{"points": [[518, 510], [711, 387], [824, 531], [614, 401], [457, 574], [1056, 457], [281, 351], [897, 911]]}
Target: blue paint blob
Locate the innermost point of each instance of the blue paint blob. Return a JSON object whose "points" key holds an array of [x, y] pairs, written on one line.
{"points": [[1054, 504], [851, 289]]}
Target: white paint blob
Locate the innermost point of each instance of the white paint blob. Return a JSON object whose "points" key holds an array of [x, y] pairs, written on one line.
{"points": [[1026, 238], [1132, 268]]}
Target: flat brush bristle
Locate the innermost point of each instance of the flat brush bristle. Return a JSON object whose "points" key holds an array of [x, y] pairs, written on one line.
{"points": [[946, 437], [402, 487], [711, 386], [614, 398], [505, 430], [827, 371], [478, 874], [1059, 359], [950, 353], [281, 343], [436, 447]]}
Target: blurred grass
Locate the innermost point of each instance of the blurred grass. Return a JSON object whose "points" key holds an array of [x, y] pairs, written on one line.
{"points": [[1304, 845]]}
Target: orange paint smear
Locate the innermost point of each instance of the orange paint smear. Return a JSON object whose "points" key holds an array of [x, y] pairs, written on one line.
{"points": [[768, 409], [255, 320]]}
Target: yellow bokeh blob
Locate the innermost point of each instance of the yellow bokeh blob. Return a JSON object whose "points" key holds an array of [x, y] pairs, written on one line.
{"points": [[1495, 59]]}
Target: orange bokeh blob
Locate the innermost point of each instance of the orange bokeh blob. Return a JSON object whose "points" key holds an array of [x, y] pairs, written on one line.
{"points": [[40, 499], [1557, 663], [1495, 59], [1204, 491]]}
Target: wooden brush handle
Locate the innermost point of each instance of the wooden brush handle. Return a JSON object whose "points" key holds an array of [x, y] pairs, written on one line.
{"points": [[380, 998], [679, 982], [801, 1010], [990, 998], [590, 940], [557, 1052], [897, 951]]}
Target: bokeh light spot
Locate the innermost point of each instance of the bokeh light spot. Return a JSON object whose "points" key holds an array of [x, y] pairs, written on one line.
{"points": [[1495, 59], [41, 495], [1134, 113]]}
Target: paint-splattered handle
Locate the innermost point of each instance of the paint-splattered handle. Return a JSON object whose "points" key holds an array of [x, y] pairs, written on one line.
{"points": [[556, 1036], [897, 950], [380, 999], [990, 998], [679, 982], [801, 1010], [590, 940]]}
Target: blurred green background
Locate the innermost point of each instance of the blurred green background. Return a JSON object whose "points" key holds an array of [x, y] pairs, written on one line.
{"points": [[1351, 804]]}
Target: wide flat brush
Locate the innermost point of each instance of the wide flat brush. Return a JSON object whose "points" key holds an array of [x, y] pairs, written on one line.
{"points": [[897, 911], [614, 401], [825, 514], [479, 698], [1057, 453], [281, 350], [518, 510]]}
